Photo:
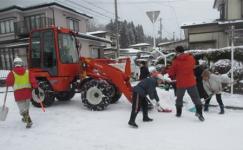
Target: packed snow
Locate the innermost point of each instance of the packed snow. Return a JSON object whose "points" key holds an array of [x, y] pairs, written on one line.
{"points": [[71, 126]]}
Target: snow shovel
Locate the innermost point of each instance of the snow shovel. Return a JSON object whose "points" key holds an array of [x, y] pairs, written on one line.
{"points": [[39, 99], [193, 109], [4, 109], [159, 108]]}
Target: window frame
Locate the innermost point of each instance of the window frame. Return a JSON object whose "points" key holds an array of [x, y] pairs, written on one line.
{"points": [[75, 24], [7, 25]]}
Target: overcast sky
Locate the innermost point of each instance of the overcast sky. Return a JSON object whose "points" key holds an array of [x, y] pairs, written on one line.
{"points": [[174, 13]]}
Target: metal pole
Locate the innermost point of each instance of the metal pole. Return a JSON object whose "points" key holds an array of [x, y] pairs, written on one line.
{"points": [[232, 58], [154, 36], [117, 30], [160, 28]]}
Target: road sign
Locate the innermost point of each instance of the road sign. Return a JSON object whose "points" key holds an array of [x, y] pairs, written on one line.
{"points": [[153, 15]]}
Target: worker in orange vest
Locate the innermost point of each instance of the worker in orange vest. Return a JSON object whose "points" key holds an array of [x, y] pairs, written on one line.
{"points": [[22, 82]]}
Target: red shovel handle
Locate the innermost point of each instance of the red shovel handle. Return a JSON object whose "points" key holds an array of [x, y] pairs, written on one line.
{"points": [[42, 107]]}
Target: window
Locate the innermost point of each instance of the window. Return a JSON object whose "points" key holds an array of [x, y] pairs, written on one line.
{"points": [[73, 24], [7, 26], [35, 50], [49, 53], [35, 21], [67, 48]]}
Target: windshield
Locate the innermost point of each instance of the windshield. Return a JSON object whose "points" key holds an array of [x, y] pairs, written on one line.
{"points": [[67, 48]]}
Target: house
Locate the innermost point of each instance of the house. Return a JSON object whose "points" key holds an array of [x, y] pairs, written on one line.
{"points": [[216, 34], [170, 46], [110, 48], [16, 23], [142, 46]]}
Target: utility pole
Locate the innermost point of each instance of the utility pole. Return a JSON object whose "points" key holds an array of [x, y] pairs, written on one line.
{"points": [[117, 30], [160, 28], [232, 58], [173, 36]]}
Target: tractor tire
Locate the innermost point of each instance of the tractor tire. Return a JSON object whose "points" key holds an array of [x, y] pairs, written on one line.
{"points": [[114, 94], [65, 96], [47, 97], [94, 94]]}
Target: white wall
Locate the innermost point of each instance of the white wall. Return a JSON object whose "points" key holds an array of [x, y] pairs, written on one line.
{"points": [[234, 9]]}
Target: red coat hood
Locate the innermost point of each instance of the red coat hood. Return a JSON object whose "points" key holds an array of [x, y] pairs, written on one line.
{"points": [[19, 70]]}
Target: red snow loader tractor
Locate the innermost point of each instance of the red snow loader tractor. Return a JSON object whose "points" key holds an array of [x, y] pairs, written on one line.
{"points": [[54, 61]]}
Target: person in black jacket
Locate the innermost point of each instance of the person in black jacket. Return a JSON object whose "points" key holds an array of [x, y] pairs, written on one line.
{"points": [[198, 73], [144, 72], [140, 91]]}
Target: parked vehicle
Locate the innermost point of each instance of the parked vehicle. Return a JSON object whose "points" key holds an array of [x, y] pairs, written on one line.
{"points": [[54, 60]]}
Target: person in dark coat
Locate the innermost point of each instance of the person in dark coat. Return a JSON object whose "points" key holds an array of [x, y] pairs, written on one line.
{"points": [[198, 73], [144, 72], [140, 91], [182, 69]]}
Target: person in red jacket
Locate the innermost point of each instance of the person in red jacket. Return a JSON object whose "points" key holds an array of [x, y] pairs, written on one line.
{"points": [[22, 82], [182, 69]]}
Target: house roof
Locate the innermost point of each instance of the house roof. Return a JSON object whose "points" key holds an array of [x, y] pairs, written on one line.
{"points": [[41, 6], [140, 45], [196, 24], [96, 32], [169, 43], [226, 22], [92, 37]]}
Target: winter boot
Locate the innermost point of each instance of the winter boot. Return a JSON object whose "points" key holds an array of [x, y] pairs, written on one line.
{"points": [[206, 107], [199, 112], [29, 121], [178, 111], [131, 122], [145, 116], [221, 109], [24, 117], [147, 119]]}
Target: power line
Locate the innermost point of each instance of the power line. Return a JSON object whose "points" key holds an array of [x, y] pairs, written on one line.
{"points": [[90, 11], [139, 2], [93, 4], [70, 1]]}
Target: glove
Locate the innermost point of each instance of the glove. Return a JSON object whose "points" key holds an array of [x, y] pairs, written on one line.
{"points": [[36, 91]]}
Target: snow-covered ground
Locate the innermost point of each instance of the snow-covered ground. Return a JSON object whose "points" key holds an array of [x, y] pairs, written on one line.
{"points": [[70, 126]]}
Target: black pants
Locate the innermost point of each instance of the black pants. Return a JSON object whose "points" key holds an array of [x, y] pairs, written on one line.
{"points": [[193, 93], [218, 98], [137, 102]]}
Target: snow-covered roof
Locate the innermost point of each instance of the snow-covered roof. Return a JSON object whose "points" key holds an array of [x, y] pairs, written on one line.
{"points": [[96, 32], [191, 24], [130, 50], [92, 37], [39, 4], [230, 22], [140, 45], [197, 23]]}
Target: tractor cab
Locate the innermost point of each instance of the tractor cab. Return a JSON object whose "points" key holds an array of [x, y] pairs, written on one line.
{"points": [[54, 51], [54, 60]]}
